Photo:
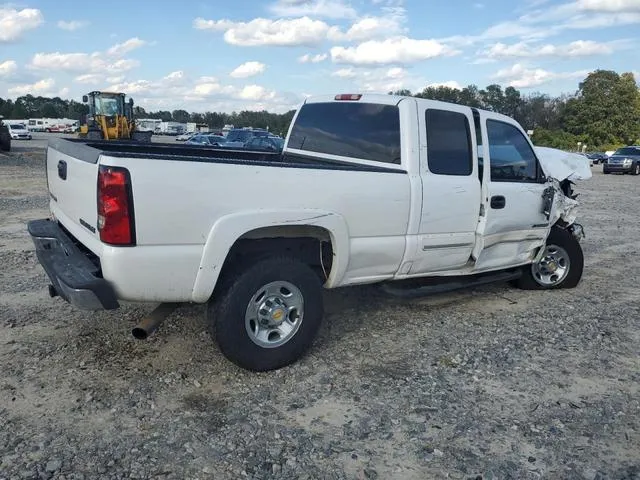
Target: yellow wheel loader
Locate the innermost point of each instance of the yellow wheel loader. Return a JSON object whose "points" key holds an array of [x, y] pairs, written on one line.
{"points": [[110, 118]]}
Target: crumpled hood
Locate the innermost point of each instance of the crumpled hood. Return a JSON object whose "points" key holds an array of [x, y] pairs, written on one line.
{"points": [[563, 165]]}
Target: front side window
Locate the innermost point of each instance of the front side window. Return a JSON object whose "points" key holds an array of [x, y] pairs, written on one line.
{"points": [[512, 158], [365, 131], [448, 143]]}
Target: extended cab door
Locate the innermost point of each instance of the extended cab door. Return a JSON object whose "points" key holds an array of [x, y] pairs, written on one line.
{"points": [[451, 194], [513, 223]]}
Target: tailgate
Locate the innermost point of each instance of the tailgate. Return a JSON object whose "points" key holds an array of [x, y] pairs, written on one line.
{"points": [[72, 175]]}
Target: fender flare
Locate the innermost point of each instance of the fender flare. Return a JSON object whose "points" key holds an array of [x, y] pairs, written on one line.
{"points": [[229, 228]]}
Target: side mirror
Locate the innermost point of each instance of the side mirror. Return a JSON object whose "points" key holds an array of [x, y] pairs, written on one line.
{"points": [[131, 101], [85, 99]]}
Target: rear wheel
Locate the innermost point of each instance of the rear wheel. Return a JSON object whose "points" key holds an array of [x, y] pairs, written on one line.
{"points": [[267, 315], [636, 169], [561, 265]]}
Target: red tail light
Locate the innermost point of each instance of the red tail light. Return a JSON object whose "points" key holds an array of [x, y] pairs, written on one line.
{"points": [[115, 206]]}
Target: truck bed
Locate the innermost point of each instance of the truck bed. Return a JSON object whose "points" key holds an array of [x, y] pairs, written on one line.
{"points": [[90, 151]]}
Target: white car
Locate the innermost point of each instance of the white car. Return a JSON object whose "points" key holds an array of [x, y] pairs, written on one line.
{"points": [[185, 136], [368, 189], [19, 132]]}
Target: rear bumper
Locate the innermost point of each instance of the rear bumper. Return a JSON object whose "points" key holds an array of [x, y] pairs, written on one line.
{"points": [[72, 273]]}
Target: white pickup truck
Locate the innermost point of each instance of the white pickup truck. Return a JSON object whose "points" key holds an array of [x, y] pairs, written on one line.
{"points": [[368, 189]]}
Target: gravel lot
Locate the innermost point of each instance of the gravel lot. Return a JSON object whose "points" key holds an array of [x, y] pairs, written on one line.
{"points": [[492, 383]]}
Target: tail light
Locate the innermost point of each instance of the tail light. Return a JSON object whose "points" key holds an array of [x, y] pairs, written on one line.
{"points": [[348, 96], [115, 206]]}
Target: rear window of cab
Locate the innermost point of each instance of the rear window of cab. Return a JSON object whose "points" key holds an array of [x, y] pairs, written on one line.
{"points": [[364, 131]]}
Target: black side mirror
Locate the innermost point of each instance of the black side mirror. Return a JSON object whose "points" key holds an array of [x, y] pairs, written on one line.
{"points": [[85, 99], [131, 101]]}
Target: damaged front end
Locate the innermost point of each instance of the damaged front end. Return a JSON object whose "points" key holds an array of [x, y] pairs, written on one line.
{"points": [[560, 204]]}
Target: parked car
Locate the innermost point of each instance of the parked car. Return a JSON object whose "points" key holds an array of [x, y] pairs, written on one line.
{"points": [[369, 189], [19, 132], [238, 137], [185, 136], [206, 139], [597, 157], [275, 144], [623, 160], [5, 137]]}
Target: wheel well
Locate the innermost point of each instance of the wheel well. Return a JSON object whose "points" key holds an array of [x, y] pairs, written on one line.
{"points": [[310, 244]]}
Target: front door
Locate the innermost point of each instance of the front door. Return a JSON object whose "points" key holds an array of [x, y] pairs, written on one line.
{"points": [[451, 194], [513, 224]]}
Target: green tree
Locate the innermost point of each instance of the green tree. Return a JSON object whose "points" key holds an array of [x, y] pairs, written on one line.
{"points": [[181, 116], [606, 109]]}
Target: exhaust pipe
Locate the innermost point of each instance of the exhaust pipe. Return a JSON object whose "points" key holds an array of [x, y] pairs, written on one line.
{"points": [[151, 322]]}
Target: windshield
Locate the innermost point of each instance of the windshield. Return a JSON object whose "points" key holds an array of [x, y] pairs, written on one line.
{"points": [[107, 106], [628, 151], [16, 127]]}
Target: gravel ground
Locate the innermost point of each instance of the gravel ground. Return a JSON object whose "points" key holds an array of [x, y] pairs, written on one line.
{"points": [[493, 383]]}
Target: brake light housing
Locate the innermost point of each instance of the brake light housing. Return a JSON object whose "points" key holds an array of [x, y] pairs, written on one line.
{"points": [[348, 96], [115, 206]]}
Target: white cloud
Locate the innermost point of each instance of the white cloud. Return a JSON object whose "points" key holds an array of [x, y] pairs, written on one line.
{"points": [[392, 50], [308, 58], [72, 25], [519, 76], [41, 87], [80, 62], [263, 31], [366, 29], [380, 79], [8, 67], [579, 48], [610, 5], [345, 73], [256, 93], [248, 69], [14, 23], [174, 77], [125, 47], [314, 8], [89, 78], [450, 84]]}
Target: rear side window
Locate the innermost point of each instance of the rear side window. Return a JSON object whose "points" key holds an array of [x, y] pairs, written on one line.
{"points": [[366, 131], [448, 143]]}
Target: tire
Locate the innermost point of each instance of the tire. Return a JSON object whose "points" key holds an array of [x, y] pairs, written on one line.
{"points": [[636, 169], [232, 319], [606, 172], [563, 247]]}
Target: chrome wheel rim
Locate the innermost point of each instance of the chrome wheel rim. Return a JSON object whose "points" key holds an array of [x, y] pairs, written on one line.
{"points": [[274, 314], [553, 268]]}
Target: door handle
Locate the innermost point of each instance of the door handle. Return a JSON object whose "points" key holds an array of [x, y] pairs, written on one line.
{"points": [[62, 169], [498, 201]]}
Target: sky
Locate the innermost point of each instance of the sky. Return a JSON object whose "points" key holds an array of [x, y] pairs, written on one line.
{"points": [[270, 54]]}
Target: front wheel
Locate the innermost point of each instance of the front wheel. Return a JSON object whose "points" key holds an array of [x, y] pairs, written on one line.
{"points": [[636, 169], [268, 315], [561, 264]]}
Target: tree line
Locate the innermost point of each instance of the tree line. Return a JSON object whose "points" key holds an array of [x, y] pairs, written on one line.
{"points": [[604, 113]]}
